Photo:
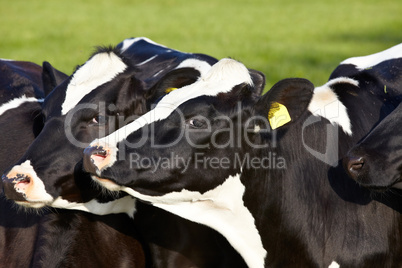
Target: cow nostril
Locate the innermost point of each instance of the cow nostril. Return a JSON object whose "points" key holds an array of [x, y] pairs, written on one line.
{"points": [[93, 157], [22, 179], [15, 186], [100, 153], [355, 165]]}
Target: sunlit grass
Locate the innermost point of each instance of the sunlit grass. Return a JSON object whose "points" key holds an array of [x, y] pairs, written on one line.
{"points": [[282, 38]]}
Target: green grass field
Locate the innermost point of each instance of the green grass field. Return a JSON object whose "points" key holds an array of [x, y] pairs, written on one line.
{"points": [[282, 38]]}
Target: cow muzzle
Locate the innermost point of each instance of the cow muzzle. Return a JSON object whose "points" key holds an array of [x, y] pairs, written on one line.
{"points": [[97, 158], [22, 185], [354, 166]]}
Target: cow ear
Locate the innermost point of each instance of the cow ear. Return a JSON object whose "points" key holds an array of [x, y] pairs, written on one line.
{"points": [[285, 101], [171, 81], [130, 98], [51, 77], [258, 81]]}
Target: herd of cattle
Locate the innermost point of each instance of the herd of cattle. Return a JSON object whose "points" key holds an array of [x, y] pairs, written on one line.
{"points": [[150, 157]]}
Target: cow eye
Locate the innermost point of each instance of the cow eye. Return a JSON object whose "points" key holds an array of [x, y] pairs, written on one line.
{"points": [[197, 123], [99, 120]]}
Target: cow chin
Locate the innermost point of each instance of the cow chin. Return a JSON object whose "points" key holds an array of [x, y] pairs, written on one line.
{"points": [[34, 205], [106, 183]]}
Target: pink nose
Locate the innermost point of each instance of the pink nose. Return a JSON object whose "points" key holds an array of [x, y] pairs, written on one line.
{"points": [[15, 186], [96, 158], [22, 184]]}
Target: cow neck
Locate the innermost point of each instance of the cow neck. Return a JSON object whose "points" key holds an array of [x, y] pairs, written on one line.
{"points": [[222, 209]]}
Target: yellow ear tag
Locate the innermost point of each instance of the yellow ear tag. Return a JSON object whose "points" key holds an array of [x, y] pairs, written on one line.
{"points": [[170, 89], [278, 115]]}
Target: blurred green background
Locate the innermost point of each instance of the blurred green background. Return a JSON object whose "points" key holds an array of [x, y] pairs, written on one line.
{"points": [[282, 38]]}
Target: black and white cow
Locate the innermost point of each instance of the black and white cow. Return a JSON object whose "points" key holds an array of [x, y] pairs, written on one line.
{"points": [[127, 80], [376, 162], [23, 85], [264, 172], [61, 238]]}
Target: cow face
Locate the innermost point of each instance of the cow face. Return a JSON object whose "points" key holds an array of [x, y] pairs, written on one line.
{"points": [[166, 149], [99, 97], [182, 119], [376, 162]]}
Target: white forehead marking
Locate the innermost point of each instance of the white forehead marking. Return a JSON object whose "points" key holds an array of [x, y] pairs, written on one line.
{"points": [[14, 103], [365, 62], [221, 208], [202, 66], [325, 103], [221, 78], [98, 70], [122, 205]]}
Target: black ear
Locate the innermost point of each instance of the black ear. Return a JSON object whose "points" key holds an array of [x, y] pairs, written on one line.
{"points": [[130, 98], [172, 80], [258, 81], [285, 101], [51, 77]]}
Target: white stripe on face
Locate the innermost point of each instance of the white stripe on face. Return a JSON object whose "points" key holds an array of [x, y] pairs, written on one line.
{"points": [[221, 78], [98, 70], [365, 62], [325, 103], [14, 103]]}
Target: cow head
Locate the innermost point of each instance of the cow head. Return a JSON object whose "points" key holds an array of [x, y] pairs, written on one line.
{"points": [[102, 95], [376, 162]]}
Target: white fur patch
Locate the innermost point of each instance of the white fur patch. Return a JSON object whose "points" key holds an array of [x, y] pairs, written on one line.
{"points": [[365, 62], [220, 78], [325, 103], [221, 208], [130, 41], [14, 103], [98, 70], [334, 264], [122, 205], [202, 66]]}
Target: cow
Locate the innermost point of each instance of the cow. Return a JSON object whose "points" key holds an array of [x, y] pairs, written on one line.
{"points": [[61, 238], [262, 171], [126, 80], [376, 161], [23, 85]]}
